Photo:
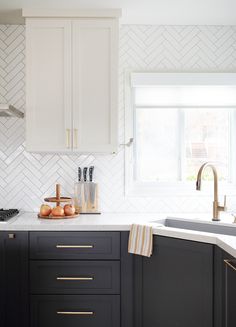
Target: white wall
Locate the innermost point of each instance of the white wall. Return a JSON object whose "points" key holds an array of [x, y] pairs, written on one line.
{"points": [[25, 179]]}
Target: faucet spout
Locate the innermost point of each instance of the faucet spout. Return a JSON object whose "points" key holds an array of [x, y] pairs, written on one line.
{"points": [[216, 207]]}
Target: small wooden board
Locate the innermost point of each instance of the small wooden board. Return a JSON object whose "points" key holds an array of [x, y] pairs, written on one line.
{"points": [[58, 217], [54, 199]]}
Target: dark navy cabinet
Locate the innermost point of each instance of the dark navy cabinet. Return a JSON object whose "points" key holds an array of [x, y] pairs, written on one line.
{"points": [[14, 303], [174, 288], [230, 292], [89, 279], [224, 287]]}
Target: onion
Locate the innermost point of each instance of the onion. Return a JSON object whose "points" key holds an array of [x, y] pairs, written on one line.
{"points": [[69, 210], [45, 210], [58, 211]]}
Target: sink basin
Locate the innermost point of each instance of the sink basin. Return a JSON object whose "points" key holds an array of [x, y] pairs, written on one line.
{"points": [[201, 226]]}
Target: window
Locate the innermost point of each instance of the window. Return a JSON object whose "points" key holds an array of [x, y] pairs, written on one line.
{"points": [[180, 121]]}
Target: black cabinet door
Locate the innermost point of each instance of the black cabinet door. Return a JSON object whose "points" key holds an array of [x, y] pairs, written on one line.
{"points": [[174, 288], [230, 292], [14, 279]]}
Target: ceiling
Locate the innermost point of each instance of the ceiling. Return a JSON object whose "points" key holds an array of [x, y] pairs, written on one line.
{"points": [[158, 12]]}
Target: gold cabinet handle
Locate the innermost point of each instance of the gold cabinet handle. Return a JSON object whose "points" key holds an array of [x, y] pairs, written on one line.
{"points": [[75, 278], [11, 236], [62, 246], [76, 138], [84, 313], [231, 264], [68, 138]]}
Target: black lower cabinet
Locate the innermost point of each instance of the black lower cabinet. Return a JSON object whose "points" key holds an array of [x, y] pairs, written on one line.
{"points": [[230, 293], [75, 310], [183, 284], [174, 288], [14, 279]]}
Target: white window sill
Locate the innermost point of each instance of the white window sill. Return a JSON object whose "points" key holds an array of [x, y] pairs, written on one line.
{"points": [[178, 189]]}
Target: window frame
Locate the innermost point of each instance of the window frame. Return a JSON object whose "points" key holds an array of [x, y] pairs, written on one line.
{"points": [[177, 188]]}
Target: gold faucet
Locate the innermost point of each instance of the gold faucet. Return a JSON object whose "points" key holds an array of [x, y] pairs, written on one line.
{"points": [[216, 207]]}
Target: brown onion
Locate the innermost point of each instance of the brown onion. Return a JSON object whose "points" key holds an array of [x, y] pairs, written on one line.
{"points": [[69, 210], [58, 211], [45, 210]]}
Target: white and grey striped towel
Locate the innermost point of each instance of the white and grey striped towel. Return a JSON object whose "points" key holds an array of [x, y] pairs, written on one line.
{"points": [[141, 240]]}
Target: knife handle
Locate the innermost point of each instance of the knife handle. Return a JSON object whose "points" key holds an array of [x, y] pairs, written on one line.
{"points": [[79, 174], [85, 174], [91, 170]]}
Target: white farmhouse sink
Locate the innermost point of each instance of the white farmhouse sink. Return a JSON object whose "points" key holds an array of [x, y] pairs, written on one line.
{"points": [[200, 225]]}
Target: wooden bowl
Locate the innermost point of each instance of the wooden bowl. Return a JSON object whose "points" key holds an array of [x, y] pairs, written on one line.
{"points": [[58, 217]]}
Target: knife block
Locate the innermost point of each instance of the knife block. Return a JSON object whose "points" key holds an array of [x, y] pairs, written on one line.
{"points": [[86, 198]]}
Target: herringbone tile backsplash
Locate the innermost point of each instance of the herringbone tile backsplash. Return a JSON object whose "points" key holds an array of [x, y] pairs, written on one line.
{"points": [[25, 179]]}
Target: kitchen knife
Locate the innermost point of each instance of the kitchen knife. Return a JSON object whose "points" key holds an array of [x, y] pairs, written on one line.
{"points": [[92, 191], [79, 174], [91, 170], [85, 174], [79, 192], [85, 191]]}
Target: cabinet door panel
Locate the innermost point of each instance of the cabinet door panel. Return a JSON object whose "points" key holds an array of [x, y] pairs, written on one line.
{"points": [[95, 54], [176, 285], [48, 99], [14, 279], [230, 279]]}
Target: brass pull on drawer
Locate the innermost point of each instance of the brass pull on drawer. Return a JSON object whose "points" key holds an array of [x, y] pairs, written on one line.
{"points": [[62, 246], [75, 278], [11, 236], [231, 264], [82, 313]]}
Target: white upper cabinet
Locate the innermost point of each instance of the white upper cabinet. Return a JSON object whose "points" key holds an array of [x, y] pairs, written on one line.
{"points": [[48, 85], [72, 84], [94, 54]]}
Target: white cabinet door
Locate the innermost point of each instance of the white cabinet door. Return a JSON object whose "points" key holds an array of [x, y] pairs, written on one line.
{"points": [[94, 75], [48, 85]]}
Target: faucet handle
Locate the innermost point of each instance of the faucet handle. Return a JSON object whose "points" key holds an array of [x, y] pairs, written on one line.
{"points": [[225, 202], [222, 208]]}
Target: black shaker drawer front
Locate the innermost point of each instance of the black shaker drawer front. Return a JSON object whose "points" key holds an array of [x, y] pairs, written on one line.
{"points": [[75, 245], [75, 277], [74, 310]]}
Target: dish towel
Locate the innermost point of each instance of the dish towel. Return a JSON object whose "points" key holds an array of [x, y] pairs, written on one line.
{"points": [[141, 240]]}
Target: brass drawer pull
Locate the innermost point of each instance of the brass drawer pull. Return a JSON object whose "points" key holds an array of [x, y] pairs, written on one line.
{"points": [[75, 278], [61, 246], [11, 236], [68, 138], [231, 264], [76, 138], [82, 313]]}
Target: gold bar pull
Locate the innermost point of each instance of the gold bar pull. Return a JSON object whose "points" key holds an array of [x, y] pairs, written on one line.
{"points": [[76, 137], [231, 264], [68, 138], [82, 313], [62, 246], [75, 278], [11, 236]]}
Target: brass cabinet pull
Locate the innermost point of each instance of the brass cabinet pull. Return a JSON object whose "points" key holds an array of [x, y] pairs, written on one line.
{"points": [[75, 278], [62, 246], [84, 313], [11, 236], [68, 138], [76, 137], [230, 263]]}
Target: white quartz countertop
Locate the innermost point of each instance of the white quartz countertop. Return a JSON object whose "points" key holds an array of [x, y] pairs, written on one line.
{"points": [[28, 221]]}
